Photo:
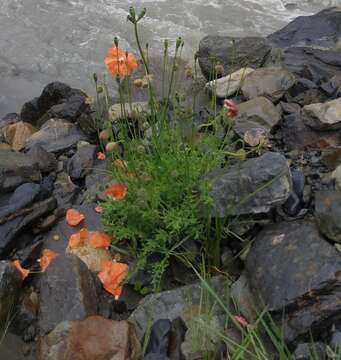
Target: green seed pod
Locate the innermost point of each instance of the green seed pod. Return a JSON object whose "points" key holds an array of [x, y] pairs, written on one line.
{"points": [[178, 42], [95, 77], [142, 14]]}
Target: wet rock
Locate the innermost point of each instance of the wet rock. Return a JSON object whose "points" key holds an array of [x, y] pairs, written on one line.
{"points": [[251, 187], [228, 85], [233, 54], [326, 116], [321, 30], [256, 114], [82, 162], [327, 214], [10, 283], [47, 161], [56, 135], [159, 337], [17, 134], [16, 169], [271, 82], [67, 292], [308, 351], [294, 271], [181, 302], [90, 339]]}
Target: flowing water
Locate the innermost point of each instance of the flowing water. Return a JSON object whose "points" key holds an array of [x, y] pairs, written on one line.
{"points": [[66, 40]]}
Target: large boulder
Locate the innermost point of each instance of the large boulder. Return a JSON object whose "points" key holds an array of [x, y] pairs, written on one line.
{"points": [[56, 135], [16, 169], [321, 30], [67, 292], [295, 273], [17, 134], [251, 187], [233, 54]]}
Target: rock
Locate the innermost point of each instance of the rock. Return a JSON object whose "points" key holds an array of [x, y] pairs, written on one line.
{"points": [[17, 134], [294, 272], [171, 304], [331, 157], [289, 108], [295, 202], [82, 162], [91, 339], [5, 146], [321, 30], [325, 116], [53, 93], [132, 111], [256, 114], [327, 214], [159, 337], [251, 187], [335, 341], [13, 348], [233, 54], [65, 191], [30, 111], [228, 85], [308, 351], [47, 161], [271, 82], [16, 169], [177, 337], [336, 175], [332, 87], [67, 292], [56, 135], [10, 283]]}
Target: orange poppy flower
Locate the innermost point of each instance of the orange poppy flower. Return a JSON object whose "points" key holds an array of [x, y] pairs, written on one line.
{"points": [[46, 257], [119, 62], [100, 156], [100, 239], [23, 272], [117, 191], [74, 217], [112, 275]]}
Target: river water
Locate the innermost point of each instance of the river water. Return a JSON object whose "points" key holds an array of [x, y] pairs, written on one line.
{"points": [[66, 40]]}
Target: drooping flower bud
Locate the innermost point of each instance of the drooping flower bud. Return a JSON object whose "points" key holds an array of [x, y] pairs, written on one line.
{"points": [[138, 83], [142, 14], [116, 41], [112, 146], [178, 42], [132, 13], [99, 89], [231, 108], [219, 70]]}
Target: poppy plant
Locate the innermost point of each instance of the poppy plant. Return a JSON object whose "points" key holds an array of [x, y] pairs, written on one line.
{"points": [[120, 62], [23, 272], [117, 191], [112, 275], [46, 257], [231, 108], [74, 217]]}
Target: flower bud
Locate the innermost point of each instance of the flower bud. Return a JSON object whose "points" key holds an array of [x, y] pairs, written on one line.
{"points": [[104, 135], [116, 41], [132, 13], [189, 73], [142, 14], [138, 83], [219, 70], [99, 89], [178, 42], [112, 146], [95, 77]]}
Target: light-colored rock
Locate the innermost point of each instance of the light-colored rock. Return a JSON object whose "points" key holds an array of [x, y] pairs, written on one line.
{"points": [[17, 134], [230, 84], [326, 116], [94, 338], [336, 175], [272, 82], [131, 110], [4, 146]]}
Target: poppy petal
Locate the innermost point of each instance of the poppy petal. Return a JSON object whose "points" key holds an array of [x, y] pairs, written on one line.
{"points": [[23, 272], [74, 217]]}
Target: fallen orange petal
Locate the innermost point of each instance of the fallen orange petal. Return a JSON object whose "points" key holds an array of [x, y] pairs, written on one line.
{"points": [[112, 275], [100, 239], [75, 240], [23, 272], [83, 233], [100, 156], [74, 217], [117, 191], [99, 209], [46, 257]]}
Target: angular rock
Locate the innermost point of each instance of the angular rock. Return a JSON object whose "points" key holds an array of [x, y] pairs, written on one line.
{"points": [[228, 85], [159, 338], [10, 283], [91, 339], [256, 114], [271, 82], [132, 111], [233, 54], [332, 87], [321, 30], [171, 304], [331, 157], [67, 292], [251, 187], [295, 273], [325, 116], [53, 93], [308, 351], [16, 169], [47, 161], [65, 191], [56, 135], [30, 112], [336, 176], [82, 162], [327, 214], [17, 134]]}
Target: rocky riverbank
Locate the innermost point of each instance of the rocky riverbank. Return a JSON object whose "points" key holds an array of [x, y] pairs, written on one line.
{"points": [[288, 88]]}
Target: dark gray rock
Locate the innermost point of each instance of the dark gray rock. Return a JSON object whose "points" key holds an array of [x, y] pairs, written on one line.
{"points": [[56, 135], [251, 187], [30, 112], [159, 337], [321, 30], [233, 54], [53, 93], [67, 292], [308, 351], [47, 161], [332, 87], [335, 341], [295, 272], [10, 283], [16, 169], [270, 82], [65, 191], [295, 202], [81, 164], [328, 213]]}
